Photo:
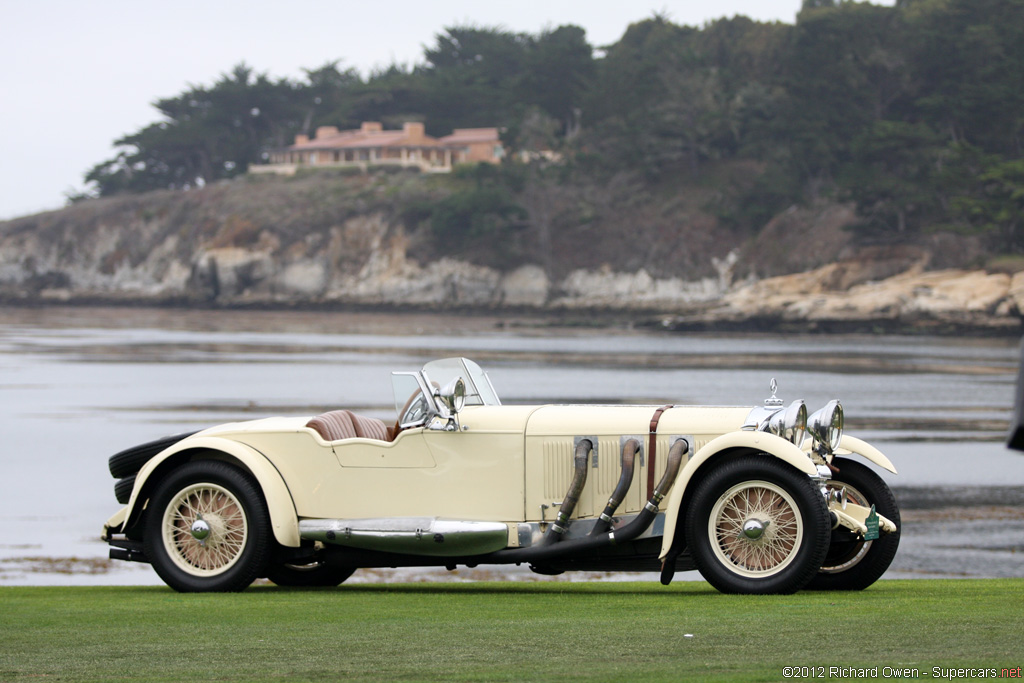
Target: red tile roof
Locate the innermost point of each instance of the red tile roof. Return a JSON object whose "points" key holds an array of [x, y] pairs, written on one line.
{"points": [[465, 136], [354, 139]]}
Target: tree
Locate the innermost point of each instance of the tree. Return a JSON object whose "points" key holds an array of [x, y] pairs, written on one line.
{"points": [[628, 78], [968, 62], [996, 204], [472, 77], [332, 96], [893, 177], [206, 134], [845, 71], [659, 107], [559, 73]]}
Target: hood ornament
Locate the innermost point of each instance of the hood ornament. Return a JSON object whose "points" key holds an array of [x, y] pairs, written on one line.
{"points": [[774, 401]]}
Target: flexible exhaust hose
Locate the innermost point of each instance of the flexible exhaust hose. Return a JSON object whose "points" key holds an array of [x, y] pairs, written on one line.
{"points": [[675, 460], [604, 522], [543, 551], [581, 464]]}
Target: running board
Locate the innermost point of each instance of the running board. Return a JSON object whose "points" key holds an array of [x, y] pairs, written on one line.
{"points": [[409, 535]]}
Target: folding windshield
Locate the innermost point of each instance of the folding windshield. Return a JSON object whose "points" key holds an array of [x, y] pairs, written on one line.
{"points": [[479, 391], [411, 399], [417, 394]]}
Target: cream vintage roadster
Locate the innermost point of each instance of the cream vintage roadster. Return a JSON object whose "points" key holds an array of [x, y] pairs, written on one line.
{"points": [[759, 500]]}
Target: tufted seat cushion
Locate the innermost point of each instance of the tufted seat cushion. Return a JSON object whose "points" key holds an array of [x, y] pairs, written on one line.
{"points": [[344, 424]]}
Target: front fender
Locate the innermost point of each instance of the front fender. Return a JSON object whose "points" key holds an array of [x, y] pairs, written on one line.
{"points": [[866, 451], [283, 518], [760, 441]]}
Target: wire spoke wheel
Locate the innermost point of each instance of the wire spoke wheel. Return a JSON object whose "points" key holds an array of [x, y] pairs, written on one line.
{"points": [[853, 563], [756, 528], [223, 516], [208, 528], [756, 525]]}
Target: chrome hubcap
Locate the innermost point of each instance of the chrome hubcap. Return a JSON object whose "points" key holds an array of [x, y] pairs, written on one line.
{"points": [[200, 530], [753, 528]]}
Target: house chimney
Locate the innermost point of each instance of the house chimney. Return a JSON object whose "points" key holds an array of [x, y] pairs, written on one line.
{"points": [[301, 139], [326, 132], [371, 127], [414, 131]]}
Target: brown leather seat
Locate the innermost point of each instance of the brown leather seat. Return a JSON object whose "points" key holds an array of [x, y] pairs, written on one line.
{"points": [[370, 427], [344, 424]]}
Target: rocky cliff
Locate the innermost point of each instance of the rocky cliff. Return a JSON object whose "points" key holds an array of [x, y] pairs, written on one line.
{"points": [[214, 249]]}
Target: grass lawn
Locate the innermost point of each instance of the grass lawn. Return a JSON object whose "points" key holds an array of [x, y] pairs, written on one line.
{"points": [[504, 632]]}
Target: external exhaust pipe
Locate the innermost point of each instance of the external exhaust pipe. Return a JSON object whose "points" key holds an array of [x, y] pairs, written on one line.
{"points": [[604, 522], [543, 551], [675, 460], [548, 550], [581, 464]]}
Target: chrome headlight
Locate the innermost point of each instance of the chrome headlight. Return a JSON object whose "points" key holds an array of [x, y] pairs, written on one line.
{"points": [[826, 426], [453, 395], [791, 423]]}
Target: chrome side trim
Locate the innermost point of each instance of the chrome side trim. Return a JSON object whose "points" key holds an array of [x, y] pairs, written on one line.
{"points": [[409, 535]]}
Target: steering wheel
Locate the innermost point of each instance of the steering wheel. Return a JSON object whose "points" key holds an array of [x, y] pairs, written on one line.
{"points": [[415, 410]]}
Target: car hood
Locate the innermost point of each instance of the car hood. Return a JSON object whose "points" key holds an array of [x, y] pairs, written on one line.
{"points": [[605, 420]]}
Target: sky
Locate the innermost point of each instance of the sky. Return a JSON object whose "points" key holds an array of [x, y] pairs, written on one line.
{"points": [[75, 76]]}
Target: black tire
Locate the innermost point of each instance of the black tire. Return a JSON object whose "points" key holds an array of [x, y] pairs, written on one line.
{"points": [[130, 460], [314, 574], [237, 549], [123, 489], [853, 564], [794, 532]]}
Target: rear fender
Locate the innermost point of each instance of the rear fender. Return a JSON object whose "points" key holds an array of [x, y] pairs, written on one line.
{"points": [[283, 518], [758, 441]]}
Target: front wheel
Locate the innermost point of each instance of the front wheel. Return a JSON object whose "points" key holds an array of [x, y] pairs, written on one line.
{"points": [[208, 529], [756, 525], [853, 563]]}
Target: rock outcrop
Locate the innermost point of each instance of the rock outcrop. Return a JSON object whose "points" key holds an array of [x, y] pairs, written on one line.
{"points": [[362, 261], [956, 297], [142, 253]]}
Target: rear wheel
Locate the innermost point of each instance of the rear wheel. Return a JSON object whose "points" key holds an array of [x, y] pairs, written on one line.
{"points": [[756, 525], [853, 563], [208, 529], [317, 573]]}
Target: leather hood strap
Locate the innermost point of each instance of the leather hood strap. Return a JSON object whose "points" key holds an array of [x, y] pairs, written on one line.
{"points": [[652, 447]]}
